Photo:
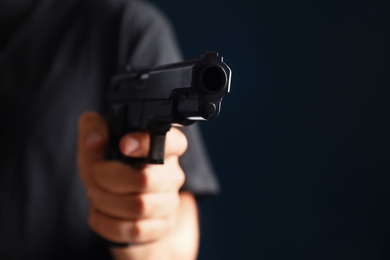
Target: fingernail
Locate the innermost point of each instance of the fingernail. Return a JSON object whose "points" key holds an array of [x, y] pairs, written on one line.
{"points": [[93, 138], [131, 144]]}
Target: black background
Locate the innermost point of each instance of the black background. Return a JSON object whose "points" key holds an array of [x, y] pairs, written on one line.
{"points": [[302, 144]]}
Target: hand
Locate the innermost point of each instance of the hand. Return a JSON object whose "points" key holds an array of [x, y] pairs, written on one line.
{"points": [[128, 204]]}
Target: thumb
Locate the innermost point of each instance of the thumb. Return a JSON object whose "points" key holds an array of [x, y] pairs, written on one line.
{"points": [[92, 142]]}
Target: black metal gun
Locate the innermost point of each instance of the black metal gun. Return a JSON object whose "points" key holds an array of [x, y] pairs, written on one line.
{"points": [[153, 99]]}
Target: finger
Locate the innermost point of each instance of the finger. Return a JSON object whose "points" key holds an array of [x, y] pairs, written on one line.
{"points": [[176, 143], [135, 206], [137, 144], [92, 140], [119, 178], [122, 231]]}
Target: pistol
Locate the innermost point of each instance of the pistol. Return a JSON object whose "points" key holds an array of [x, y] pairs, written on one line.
{"points": [[153, 99]]}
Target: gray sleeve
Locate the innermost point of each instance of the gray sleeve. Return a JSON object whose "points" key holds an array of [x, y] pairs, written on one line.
{"points": [[200, 178], [147, 40]]}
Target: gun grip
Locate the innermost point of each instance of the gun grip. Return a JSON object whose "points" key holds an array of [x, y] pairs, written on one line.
{"points": [[157, 149]]}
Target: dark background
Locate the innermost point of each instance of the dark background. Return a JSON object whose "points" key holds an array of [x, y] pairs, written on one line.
{"points": [[302, 144]]}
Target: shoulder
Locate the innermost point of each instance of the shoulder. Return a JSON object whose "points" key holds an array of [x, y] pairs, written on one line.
{"points": [[136, 30], [146, 36], [147, 15], [133, 14]]}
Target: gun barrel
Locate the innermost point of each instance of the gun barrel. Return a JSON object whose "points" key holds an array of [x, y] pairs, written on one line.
{"points": [[207, 74]]}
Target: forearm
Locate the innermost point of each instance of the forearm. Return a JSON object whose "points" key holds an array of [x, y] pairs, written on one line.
{"points": [[181, 243]]}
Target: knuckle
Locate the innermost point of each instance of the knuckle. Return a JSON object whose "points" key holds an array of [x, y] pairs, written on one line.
{"points": [[144, 179], [180, 178], [141, 206], [180, 140], [136, 231], [184, 140], [176, 172]]}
